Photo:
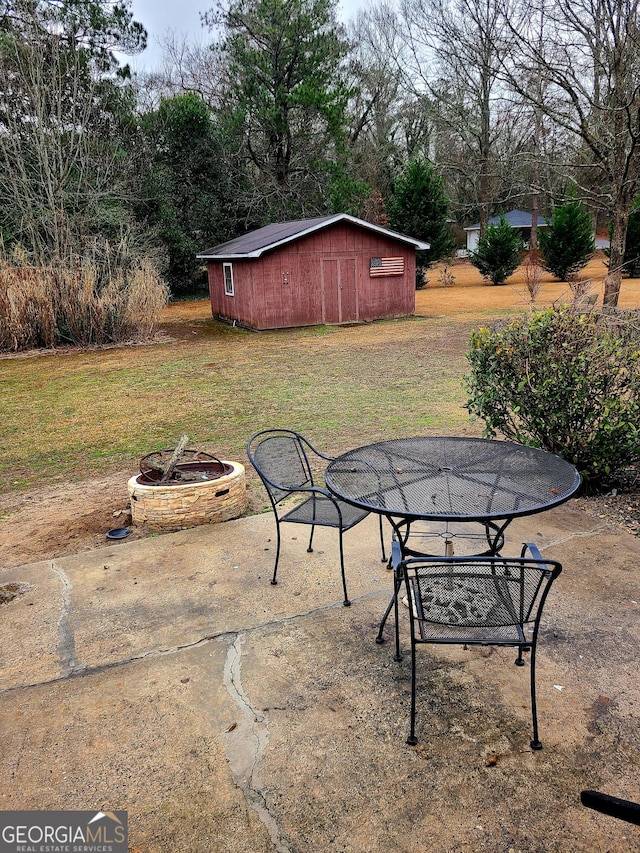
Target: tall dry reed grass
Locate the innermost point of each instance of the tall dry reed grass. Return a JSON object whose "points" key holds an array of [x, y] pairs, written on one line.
{"points": [[79, 304]]}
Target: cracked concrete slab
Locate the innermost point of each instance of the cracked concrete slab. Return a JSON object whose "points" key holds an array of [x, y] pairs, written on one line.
{"points": [[169, 678], [147, 733]]}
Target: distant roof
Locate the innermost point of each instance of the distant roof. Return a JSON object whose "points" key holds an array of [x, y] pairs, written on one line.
{"points": [[515, 218], [255, 243]]}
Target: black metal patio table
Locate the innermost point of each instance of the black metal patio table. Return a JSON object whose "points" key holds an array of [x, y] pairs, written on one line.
{"points": [[451, 479]]}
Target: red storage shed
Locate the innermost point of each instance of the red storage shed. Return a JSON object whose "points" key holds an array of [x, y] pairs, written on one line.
{"points": [[332, 269]]}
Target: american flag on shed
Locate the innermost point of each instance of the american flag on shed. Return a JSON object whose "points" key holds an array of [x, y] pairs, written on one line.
{"points": [[386, 266]]}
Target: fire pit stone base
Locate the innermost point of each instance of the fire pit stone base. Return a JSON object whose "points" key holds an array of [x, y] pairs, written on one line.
{"points": [[173, 506]]}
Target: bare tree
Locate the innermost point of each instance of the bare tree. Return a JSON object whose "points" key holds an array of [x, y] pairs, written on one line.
{"points": [[55, 173], [187, 66], [379, 110], [62, 173], [453, 53], [589, 62]]}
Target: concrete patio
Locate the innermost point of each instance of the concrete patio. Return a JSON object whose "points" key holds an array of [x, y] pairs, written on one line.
{"points": [[166, 676]]}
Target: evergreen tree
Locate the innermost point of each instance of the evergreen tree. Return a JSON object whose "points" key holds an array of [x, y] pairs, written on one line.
{"points": [[632, 248], [188, 187], [498, 252], [568, 242], [419, 208], [287, 95]]}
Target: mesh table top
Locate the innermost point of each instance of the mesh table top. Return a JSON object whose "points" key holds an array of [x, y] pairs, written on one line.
{"points": [[443, 477]]}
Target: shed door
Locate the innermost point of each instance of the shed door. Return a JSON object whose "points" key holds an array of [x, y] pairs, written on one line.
{"points": [[339, 290]]}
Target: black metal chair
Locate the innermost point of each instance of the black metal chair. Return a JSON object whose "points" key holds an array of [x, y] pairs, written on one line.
{"points": [[480, 601], [282, 459]]}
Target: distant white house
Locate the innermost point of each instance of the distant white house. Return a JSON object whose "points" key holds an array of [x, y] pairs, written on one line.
{"points": [[518, 219]]}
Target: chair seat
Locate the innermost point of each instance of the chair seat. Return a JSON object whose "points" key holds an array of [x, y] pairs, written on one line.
{"points": [[459, 610], [321, 511], [508, 635]]}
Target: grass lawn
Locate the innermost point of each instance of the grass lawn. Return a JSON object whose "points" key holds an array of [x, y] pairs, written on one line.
{"points": [[66, 415], [70, 415]]}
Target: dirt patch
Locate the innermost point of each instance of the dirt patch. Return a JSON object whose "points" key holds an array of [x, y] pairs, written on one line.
{"points": [[58, 520], [617, 507]]}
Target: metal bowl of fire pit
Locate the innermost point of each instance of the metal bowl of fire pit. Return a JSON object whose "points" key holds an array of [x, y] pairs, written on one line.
{"points": [[194, 466]]}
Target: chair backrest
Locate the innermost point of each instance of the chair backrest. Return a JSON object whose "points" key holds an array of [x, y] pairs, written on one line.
{"points": [[480, 592], [279, 457]]}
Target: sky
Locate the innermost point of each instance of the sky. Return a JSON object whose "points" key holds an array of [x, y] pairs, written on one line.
{"points": [[182, 17]]}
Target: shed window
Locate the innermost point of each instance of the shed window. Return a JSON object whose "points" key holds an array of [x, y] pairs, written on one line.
{"points": [[227, 272]]}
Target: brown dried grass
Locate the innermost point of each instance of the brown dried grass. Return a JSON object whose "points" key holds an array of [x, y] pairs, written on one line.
{"points": [[27, 316], [473, 299], [80, 304]]}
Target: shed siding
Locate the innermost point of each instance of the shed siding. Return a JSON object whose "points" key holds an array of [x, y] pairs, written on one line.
{"points": [[241, 306], [319, 278]]}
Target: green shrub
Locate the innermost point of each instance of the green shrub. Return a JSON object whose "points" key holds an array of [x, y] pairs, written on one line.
{"points": [[419, 207], [498, 252], [563, 381], [568, 242], [632, 245]]}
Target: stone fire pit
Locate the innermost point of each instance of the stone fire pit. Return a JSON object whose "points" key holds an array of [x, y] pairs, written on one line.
{"points": [[183, 488]]}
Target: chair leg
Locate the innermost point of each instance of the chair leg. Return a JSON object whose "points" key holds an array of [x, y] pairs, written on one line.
{"points": [[535, 742], [384, 556], [310, 548], [346, 601], [380, 637], [275, 568], [396, 614], [412, 740]]}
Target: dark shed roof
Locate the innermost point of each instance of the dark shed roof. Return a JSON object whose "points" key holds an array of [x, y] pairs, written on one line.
{"points": [[515, 218], [254, 244]]}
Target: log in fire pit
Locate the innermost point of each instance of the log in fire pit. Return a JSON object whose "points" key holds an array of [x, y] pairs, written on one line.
{"points": [[185, 487]]}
